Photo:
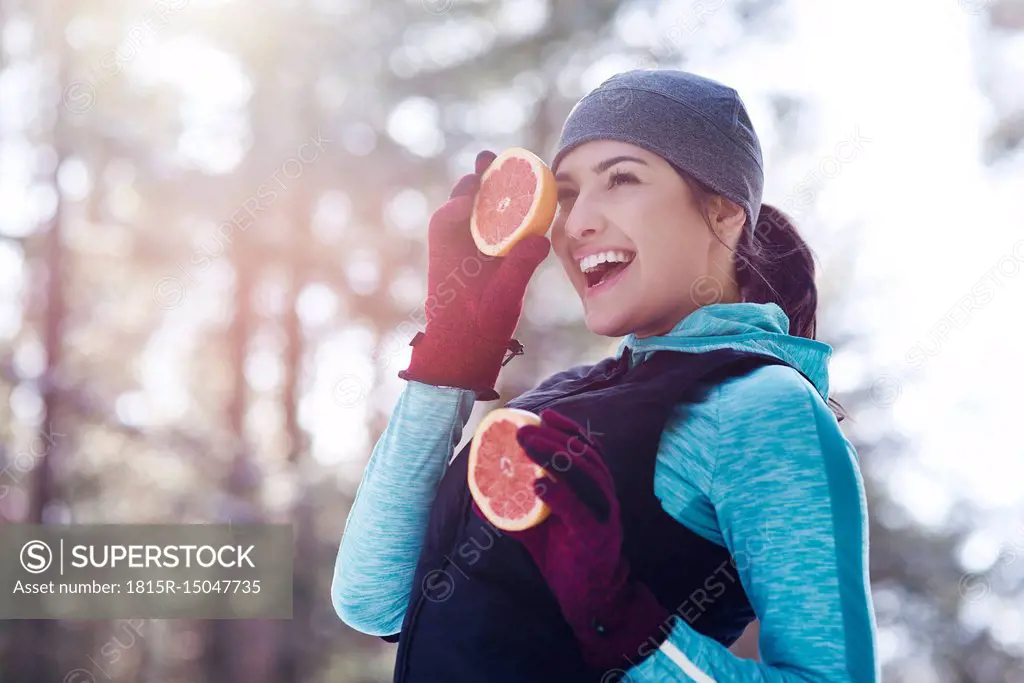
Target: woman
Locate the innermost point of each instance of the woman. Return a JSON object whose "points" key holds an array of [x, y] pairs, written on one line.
{"points": [[701, 480]]}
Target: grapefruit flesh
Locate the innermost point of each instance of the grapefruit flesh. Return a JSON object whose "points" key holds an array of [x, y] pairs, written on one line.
{"points": [[517, 197], [501, 477]]}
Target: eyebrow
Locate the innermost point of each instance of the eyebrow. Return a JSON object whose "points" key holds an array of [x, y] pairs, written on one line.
{"points": [[603, 166]]}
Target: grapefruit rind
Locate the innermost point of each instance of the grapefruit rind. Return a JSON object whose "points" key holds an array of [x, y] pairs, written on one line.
{"points": [[541, 213], [539, 511]]}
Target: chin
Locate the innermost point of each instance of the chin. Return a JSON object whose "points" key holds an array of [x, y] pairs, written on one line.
{"points": [[608, 326]]}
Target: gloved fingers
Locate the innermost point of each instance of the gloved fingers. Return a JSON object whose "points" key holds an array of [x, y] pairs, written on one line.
{"points": [[502, 301], [467, 186], [562, 449], [529, 252], [470, 183], [449, 239], [541, 443], [569, 481], [453, 215], [563, 423], [582, 442], [483, 160], [578, 502]]}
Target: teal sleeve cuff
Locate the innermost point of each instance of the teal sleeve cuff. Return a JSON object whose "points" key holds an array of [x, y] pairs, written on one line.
{"points": [[384, 531]]}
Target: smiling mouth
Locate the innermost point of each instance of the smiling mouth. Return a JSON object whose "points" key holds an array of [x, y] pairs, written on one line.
{"points": [[604, 281], [605, 272]]}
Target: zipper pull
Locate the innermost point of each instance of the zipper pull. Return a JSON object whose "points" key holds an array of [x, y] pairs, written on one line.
{"points": [[514, 348]]}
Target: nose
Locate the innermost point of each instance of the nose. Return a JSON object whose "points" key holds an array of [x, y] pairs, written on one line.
{"points": [[583, 221]]}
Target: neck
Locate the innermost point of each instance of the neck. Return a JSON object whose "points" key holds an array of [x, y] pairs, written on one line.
{"points": [[710, 292]]}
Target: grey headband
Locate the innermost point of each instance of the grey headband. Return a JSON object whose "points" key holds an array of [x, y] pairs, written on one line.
{"points": [[694, 123]]}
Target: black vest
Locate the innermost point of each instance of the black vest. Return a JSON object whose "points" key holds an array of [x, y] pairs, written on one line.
{"points": [[479, 610]]}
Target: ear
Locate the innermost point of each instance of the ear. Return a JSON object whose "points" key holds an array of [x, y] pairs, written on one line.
{"points": [[727, 218]]}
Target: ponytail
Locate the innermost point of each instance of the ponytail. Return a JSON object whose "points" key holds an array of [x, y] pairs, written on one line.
{"points": [[774, 265]]}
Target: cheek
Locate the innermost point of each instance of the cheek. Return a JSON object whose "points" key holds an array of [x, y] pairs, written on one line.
{"points": [[558, 241], [672, 256], [558, 226]]}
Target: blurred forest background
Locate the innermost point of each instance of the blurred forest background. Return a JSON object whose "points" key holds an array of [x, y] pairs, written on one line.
{"points": [[212, 258]]}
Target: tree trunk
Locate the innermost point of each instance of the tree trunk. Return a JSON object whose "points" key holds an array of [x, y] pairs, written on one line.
{"points": [[28, 661]]}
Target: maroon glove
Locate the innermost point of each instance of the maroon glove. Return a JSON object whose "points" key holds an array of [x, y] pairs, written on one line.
{"points": [[473, 300], [578, 548]]}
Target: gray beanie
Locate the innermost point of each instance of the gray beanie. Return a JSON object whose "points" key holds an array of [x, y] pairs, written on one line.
{"points": [[697, 124]]}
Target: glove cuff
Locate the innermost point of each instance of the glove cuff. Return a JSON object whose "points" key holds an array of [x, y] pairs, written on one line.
{"points": [[443, 357], [626, 626]]}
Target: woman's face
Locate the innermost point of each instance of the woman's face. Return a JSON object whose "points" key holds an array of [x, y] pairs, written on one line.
{"points": [[623, 205]]}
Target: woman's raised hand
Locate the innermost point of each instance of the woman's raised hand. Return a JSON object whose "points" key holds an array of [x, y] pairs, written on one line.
{"points": [[474, 301]]}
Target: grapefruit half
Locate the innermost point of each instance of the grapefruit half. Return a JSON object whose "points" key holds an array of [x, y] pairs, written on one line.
{"points": [[501, 476], [517, 197]]}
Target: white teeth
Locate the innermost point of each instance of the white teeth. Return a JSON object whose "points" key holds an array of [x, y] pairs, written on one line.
{"points": [[588, 263]]}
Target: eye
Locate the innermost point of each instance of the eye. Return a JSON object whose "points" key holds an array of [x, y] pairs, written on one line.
{"points": [[621, 178], [565, 193]]}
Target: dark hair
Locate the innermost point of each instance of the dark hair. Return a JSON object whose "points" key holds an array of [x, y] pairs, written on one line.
{"points": [[773, 265]]}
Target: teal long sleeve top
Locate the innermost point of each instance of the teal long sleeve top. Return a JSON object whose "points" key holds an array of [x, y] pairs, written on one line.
{"points": [[760, 467]]}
